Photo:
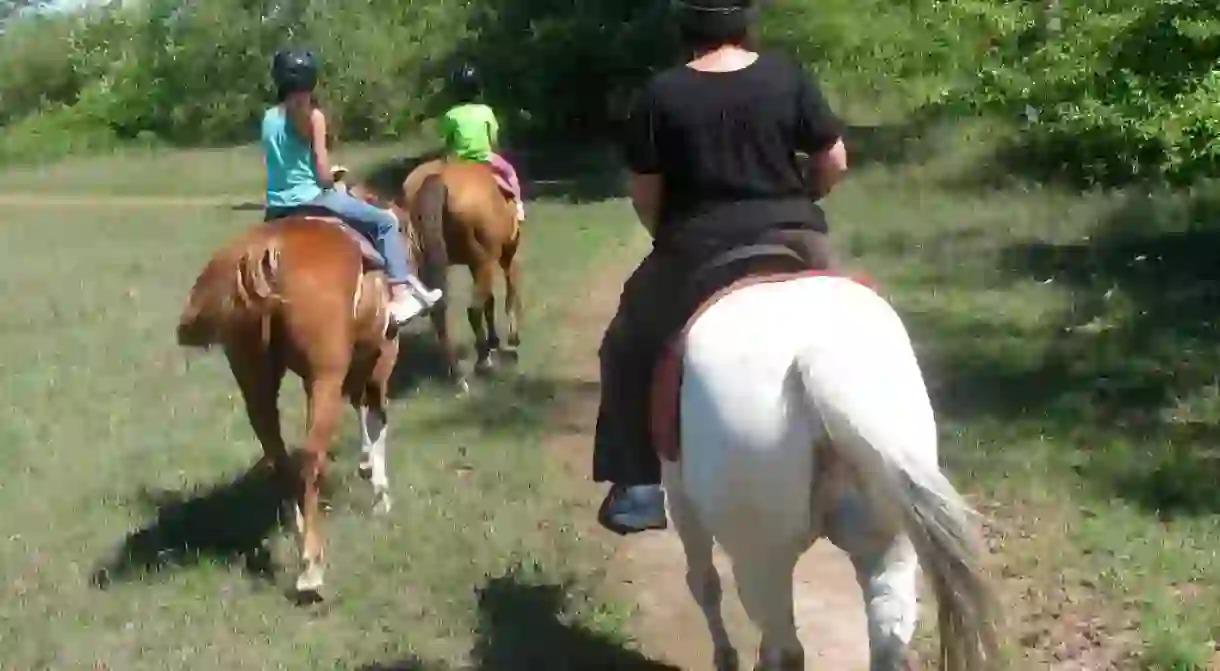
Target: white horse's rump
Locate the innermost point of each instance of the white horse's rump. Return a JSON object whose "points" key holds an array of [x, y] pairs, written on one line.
{"points": [[804, 414]]}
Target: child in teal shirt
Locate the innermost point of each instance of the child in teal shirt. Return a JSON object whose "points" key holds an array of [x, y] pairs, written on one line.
{"points": [[470, 132]]}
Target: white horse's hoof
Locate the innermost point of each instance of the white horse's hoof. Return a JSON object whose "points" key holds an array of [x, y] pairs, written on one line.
{"points": [[365, 469]]}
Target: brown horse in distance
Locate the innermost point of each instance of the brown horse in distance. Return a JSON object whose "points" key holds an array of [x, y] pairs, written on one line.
{"points": [[301, 294], [461, 217]]}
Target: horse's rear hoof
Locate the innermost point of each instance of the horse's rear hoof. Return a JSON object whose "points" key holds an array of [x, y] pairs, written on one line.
{"points": [[307, 597], [484, 367], [309, 585]]}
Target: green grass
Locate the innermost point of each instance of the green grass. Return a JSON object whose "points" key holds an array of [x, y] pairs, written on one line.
{"points": [[1071, 346], [1068, 339], [118, 458]]}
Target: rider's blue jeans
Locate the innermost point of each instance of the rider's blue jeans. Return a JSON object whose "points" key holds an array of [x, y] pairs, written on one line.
{"points": [[376, 224]]}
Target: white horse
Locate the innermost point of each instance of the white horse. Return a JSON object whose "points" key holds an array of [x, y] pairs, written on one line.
{"points": [[804, 415]]}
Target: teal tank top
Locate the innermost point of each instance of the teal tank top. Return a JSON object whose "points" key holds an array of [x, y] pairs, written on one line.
{"points": [[291, 170]]}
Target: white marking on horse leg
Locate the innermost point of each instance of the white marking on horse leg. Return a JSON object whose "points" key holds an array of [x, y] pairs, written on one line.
{"points": [[373, 430], [299, 519], [701, 575], [764, 583], [888, 571], [311, 579], [358, 293]]}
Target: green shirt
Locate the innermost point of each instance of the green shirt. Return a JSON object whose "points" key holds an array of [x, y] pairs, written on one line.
{"points": [[469, 131]]}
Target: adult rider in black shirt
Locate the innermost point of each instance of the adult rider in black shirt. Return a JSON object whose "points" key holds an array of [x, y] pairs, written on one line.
{"points": [[712, 148]]}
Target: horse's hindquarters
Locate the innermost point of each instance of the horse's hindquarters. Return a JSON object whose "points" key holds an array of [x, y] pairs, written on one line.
{"points": [[370, 308], [748, 430]]}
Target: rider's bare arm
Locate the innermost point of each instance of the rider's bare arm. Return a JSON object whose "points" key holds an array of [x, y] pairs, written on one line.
{"points": [[820, 135], [826, 169], [645, 193], [317, 125]]}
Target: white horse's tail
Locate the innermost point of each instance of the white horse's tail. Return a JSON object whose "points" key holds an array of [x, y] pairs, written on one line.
{"points": [[883, 427]]}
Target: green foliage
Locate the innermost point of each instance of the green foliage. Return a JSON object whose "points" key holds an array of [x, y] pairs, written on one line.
{"points": [[1124, 90], [57, 132]]}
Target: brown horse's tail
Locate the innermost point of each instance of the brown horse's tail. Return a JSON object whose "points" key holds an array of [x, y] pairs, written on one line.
{"points": [[238, 285], [428, 215]]}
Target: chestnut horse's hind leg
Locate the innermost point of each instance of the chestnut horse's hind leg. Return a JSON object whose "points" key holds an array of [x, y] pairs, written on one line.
{"points": [[325, 393], [480, 297], [371, 406], [259, 373], [440, 324], [512, 298]]}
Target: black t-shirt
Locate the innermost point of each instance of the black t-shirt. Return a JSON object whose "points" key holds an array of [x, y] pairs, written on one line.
{"points": [[724, 144]]}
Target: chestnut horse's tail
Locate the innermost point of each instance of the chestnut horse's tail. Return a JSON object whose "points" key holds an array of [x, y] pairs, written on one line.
{"points": [[428, 215], [256, 275], [238, 285]]}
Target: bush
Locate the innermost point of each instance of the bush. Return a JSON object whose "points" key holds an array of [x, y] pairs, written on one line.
{"points": [[53, 133], [1125, 91]]}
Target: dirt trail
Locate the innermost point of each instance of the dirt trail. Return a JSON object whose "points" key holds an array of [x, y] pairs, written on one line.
{"points": [[650, 568]]}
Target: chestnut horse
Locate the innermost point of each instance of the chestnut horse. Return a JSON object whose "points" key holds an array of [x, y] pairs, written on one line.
{"points": [[308, 295], [460, 216]]}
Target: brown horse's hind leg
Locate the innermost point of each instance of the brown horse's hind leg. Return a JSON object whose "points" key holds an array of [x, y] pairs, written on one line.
{"points": [[480, 297], [371, 404], [512, 299], [259, 373], [325, 393], [449, 352]]}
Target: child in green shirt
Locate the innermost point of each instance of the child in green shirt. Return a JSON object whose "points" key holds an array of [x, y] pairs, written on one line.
{"points": [[470, 132]]}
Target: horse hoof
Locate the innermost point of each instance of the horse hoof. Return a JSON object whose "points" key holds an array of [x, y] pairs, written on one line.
{"points": [[463, 388], [365, 470], [309, 586], [484, 367], [382, 504]]}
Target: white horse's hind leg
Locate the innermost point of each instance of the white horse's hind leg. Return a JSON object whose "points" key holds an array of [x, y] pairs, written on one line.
{"points": [[373, 432], [764, 583], [888, 571], [701, 575]]}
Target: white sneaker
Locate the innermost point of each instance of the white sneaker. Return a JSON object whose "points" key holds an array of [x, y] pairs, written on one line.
{"points": [[405, 307]]}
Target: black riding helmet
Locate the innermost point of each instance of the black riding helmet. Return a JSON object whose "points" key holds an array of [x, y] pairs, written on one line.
{"points": [[294, 71], [467, 84], [714, 22]]}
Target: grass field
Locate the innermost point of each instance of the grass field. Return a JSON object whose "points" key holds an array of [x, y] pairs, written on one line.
{"points": [[119, 459], [1071, 347], [1068, 339]]}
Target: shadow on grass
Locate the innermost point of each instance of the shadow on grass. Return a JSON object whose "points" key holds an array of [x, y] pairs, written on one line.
{"points": [[1129, 373], [524, 624], [229, 522], [421, 362], [509, 403]]}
